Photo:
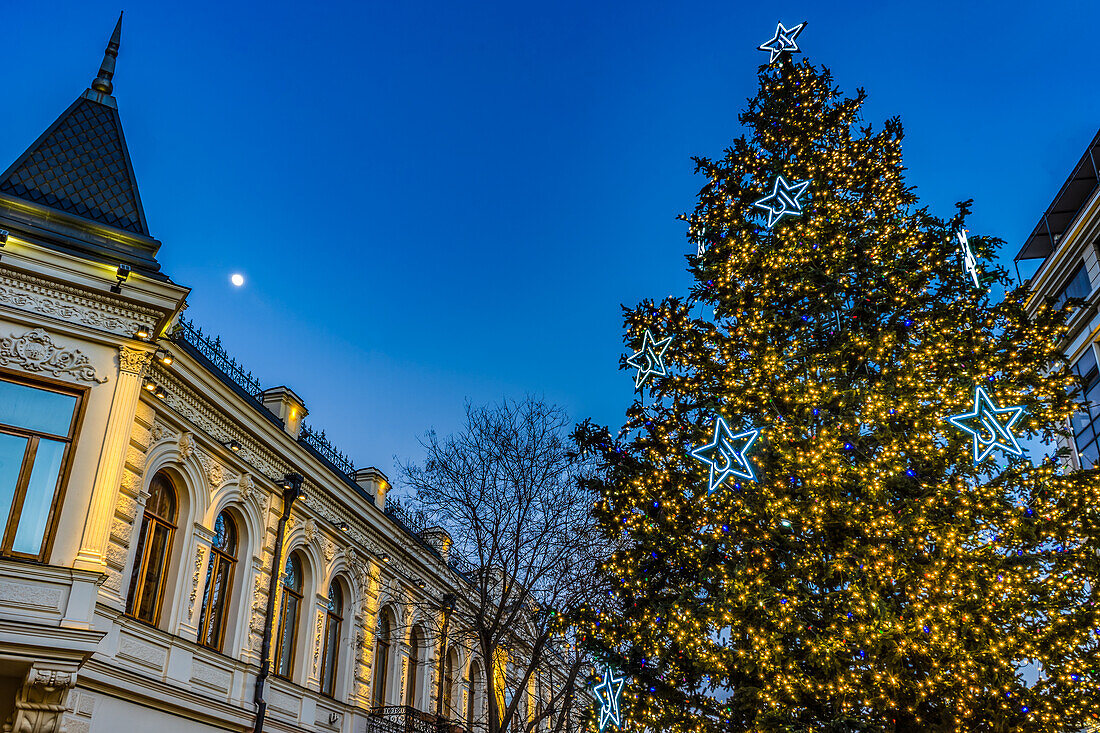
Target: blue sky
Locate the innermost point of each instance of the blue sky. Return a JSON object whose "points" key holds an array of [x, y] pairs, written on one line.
{"points": [[438, 201]]}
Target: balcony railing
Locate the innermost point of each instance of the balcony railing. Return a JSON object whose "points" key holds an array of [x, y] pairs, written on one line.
{"points": [[404, 719], [211, 348], [321, 444]]}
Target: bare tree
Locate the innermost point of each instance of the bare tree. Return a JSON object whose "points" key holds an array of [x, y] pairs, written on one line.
{"points": [[506, 487]]}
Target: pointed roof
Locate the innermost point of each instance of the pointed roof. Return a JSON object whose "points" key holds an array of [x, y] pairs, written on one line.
{"points": [[80, 165]]}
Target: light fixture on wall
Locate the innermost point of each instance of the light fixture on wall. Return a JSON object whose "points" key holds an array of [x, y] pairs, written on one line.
{"points": [[342, 526], [164, 357], [122, 273], [150, 385], [160, 393], [384, 557], [3, 237], [143, 333], [419, 583], [233, 445]]}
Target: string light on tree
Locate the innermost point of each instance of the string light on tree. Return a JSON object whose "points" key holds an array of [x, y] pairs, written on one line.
{"points": [[608, 693], [782, 42], [650, 360], [783, 200], [725, 454], [985, 423]]}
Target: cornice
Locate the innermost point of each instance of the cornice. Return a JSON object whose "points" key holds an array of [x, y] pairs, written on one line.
{"points": [[99, 311]]}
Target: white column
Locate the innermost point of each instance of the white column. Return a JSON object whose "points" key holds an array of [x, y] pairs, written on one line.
{"points": [[101, 506]]}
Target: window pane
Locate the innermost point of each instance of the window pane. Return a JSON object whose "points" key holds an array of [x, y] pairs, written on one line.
{"points": [[328, 674], [217, 604], [36, 409], [286, 644], [150, 584], [12, 449], [40, 493], [1090, 455]]}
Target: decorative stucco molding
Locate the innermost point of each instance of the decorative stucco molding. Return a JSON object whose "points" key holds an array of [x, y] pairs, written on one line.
{"points": [[132, 360], [35, 351]]}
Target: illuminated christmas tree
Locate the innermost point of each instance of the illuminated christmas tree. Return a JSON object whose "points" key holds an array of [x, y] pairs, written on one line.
{"points": [[826, 520]]}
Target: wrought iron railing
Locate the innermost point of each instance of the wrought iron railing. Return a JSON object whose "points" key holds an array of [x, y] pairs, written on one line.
{"points": [[212, 349], [414, 521], [403, 719], [321, 444]]}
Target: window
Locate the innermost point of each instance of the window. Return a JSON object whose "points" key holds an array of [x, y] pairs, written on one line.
{"points": [[1086, 424], [413, 678], [381, 660], [333, 620], [447, 691], [219, 580], [289, 612], [37, 425], [1078, 286], [473, 701], [158, 525]]}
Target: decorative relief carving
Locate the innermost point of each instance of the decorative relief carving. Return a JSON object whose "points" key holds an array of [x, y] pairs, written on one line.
{"points": [[317, 641], [18, 595], [200, 553], [210, 675], [132, 360], [37, 295], [40, 702], [35, 351], [186, 445], [310, 529], [141, 652]]}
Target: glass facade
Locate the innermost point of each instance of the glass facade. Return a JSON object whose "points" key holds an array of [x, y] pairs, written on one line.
{"points": [[1086, 424]]}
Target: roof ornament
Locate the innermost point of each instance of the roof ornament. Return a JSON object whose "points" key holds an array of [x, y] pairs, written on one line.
{"points": [[102, 83]]}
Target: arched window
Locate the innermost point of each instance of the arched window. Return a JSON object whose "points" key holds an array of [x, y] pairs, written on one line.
{"points": [[289, 612], [158, 525], [333, 620], [412, 681], [381, 659], [473, 700], [219, 581], [449, 685]]}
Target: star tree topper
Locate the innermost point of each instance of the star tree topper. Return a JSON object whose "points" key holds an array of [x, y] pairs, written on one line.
{"points": [[650, 361], [783, 199], [987, 426], [608, 693], [724, 456], [782, 42]]}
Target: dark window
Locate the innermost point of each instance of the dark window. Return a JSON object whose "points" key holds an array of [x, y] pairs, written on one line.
{"points": [[448, 685], [413, 678], [381, 660], [473, 702], [158, 525], [219, 581], [1078, 286], [334, 618], [1086, 423], [37, 426], [289, 612]]}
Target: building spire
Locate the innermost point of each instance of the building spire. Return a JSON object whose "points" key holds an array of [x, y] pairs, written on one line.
{"points": [[102, 83]]}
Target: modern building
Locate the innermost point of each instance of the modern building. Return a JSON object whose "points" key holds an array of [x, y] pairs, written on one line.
{"points": [[151, 486], [1067, 240]]}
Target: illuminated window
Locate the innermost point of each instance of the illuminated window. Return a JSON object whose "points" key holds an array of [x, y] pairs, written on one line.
{"points": [[1078, 286], [1086, 424], [37, 425], [289, 612], [219, 580], [334, 618], [158, 526]]}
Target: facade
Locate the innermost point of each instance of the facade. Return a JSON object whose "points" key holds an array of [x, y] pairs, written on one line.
{"points": [[151, 486], [1067, 240]]}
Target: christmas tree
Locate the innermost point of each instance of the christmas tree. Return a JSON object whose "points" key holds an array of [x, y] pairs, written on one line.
{"points": [[825, 517]]}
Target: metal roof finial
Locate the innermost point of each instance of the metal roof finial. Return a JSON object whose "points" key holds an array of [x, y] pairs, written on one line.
{"points": [[102, 83]]}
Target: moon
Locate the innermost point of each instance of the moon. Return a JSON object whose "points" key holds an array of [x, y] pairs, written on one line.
{"points": [[237, 279]]}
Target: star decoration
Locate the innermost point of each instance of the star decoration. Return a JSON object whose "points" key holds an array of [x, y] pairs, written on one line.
{"points": [[650, 361], [986, 425], [970, 263], [783, 41], [607, 693], [783, 199], [724, 457]]}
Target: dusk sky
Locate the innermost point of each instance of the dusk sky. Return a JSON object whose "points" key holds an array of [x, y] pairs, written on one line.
{"points": [[437, 201]]}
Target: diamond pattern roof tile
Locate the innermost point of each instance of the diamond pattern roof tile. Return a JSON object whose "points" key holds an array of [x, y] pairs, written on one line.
{"points": [[81, 166]]}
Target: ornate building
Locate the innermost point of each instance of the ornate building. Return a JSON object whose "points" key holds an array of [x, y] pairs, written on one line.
{"points": [[1066, 239], [151, 486]]}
